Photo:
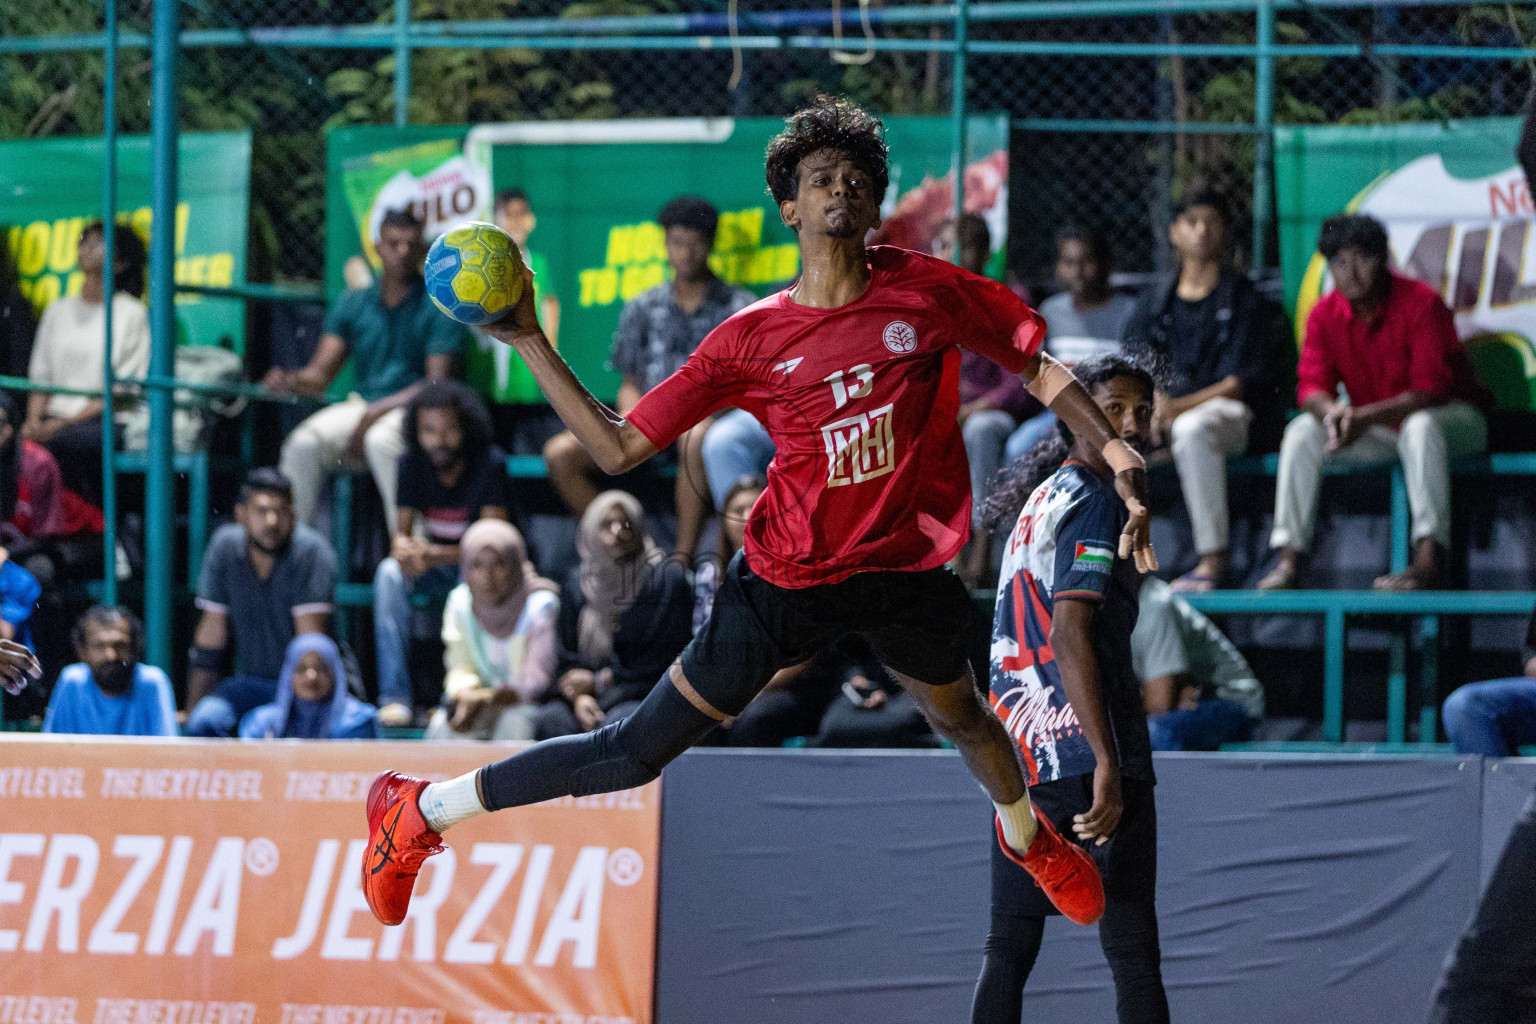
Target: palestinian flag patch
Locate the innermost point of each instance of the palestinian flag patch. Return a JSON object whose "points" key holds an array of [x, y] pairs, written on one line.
{"points": [[1092, 557]]}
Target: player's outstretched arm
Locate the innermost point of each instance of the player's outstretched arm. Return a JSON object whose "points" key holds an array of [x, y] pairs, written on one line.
{"points": [[615, 444], [1052, 383]]}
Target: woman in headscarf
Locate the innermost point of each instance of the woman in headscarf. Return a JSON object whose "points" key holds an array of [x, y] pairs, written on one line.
{"points": [[498, 639], [312, 699], [626, 613]]}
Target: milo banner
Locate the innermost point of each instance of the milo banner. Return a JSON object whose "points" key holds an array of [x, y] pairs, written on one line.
{"points": [[51, 188], [220, 883], [1458, 214], [593, 189]]}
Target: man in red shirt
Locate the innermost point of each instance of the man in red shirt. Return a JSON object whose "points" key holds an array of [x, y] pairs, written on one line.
{"points": [[854, 373], [1409, 393]]}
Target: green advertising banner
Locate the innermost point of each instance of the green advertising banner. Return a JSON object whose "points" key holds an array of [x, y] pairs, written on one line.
{"points": [[594, 189], [51, 188], [1458, 213]]}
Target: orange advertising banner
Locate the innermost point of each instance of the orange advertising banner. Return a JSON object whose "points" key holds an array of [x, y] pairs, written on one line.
{"points": [[218, 882]]}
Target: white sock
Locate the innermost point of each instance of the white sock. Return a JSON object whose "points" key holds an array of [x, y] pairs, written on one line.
{"points": [[1018, 820], [445, 804]]}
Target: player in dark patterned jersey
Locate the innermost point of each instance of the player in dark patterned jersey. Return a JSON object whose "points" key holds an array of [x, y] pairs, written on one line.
{"points": [[1063, 685], [854, 372]]}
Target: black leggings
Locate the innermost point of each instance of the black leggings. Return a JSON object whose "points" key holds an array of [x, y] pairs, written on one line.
{"points": [[1128, 934], [620, 755]]}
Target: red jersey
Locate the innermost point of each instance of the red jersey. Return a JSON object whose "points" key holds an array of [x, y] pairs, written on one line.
{"points": [[862, 403]]}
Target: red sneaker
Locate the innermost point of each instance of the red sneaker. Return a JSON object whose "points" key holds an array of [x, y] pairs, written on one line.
{"points": [[398, 841], [1063, 869]]}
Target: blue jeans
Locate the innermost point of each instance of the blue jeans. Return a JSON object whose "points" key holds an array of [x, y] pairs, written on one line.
{"points": [[1207, 727], [734, 447], [392, 594], [219, 713], [1030, 433], [1493, 718], [984, 434]]}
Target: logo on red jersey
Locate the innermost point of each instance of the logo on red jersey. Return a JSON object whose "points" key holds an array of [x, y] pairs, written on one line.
{"points": [[899, 337], [859, 447]]}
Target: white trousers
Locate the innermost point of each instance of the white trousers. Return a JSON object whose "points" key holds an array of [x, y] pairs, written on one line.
{"points": [[1201, 440], [1426, 443], [318, 447], [514, 722]]}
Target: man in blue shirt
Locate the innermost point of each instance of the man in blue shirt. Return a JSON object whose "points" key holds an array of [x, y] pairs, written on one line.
{"points": [[396, 339], [108, 693]]}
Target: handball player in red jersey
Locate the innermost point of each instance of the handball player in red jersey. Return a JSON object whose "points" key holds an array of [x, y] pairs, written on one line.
{"points": [[854, 372]]}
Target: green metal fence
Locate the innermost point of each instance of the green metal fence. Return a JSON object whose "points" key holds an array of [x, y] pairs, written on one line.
{"points": [[1127, 101]]}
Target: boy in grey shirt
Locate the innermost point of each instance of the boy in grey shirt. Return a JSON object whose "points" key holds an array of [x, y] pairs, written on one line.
{"points": [[1082, 321]]}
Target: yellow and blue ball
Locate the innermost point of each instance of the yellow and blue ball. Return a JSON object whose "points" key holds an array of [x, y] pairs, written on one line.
{"points": [[474, 273]]}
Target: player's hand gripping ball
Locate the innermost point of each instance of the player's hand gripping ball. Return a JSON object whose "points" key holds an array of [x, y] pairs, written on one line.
{"points": [[474, 273]]}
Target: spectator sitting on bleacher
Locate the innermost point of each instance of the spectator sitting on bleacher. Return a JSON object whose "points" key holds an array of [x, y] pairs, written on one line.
{"points": [[1223, 352], [71, 340], [19, 591], [1083, 320], [312, 699], [498, 639], [992, 401], [266, 580], [796, 697], [1198, 688], [47, 527], [450, 475], [626, 613], [873, 710], [18, 328], [1498, 717], [108, 693], [658, 330], [395, 338], [1390, 342]]}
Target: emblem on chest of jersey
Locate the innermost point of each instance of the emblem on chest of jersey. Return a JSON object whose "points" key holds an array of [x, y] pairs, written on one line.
{"points": [[899, 337]]}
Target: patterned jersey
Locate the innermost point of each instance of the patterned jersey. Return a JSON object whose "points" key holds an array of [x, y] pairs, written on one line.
{"points": [[862, 403], [1064, 547]]}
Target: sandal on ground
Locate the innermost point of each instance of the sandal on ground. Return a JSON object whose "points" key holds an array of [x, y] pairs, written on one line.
{"points": [[1194, 582], [1278, 578], [394, 715], [1409, 579]]}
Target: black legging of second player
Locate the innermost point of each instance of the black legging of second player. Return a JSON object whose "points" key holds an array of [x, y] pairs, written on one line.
{"points": [[1128, 934]]}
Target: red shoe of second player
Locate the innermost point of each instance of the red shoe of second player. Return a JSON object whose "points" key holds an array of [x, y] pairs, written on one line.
{"points": [[1062, 869], [398, 841]]}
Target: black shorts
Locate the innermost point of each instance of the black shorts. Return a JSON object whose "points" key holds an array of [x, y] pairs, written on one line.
{"points": [[918, 624], [1127, 862]]}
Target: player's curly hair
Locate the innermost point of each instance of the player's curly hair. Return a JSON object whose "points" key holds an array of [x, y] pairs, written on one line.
{"points": [[828, 123], [1014, 484]]}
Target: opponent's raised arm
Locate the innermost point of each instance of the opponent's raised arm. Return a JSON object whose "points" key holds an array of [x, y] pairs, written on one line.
{"points": [[1052, 383], [614, 443]]}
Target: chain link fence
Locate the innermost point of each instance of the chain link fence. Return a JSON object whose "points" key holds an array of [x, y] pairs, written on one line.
{"points": [[1121, 181]]}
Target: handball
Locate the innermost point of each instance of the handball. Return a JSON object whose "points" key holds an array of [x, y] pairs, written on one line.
{"points": [[474, 273]]}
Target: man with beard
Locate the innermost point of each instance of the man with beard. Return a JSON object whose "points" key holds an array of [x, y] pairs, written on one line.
{"points": [[396, 340], [108, 693], [267, 579], [450, 475], [853, 370]]}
